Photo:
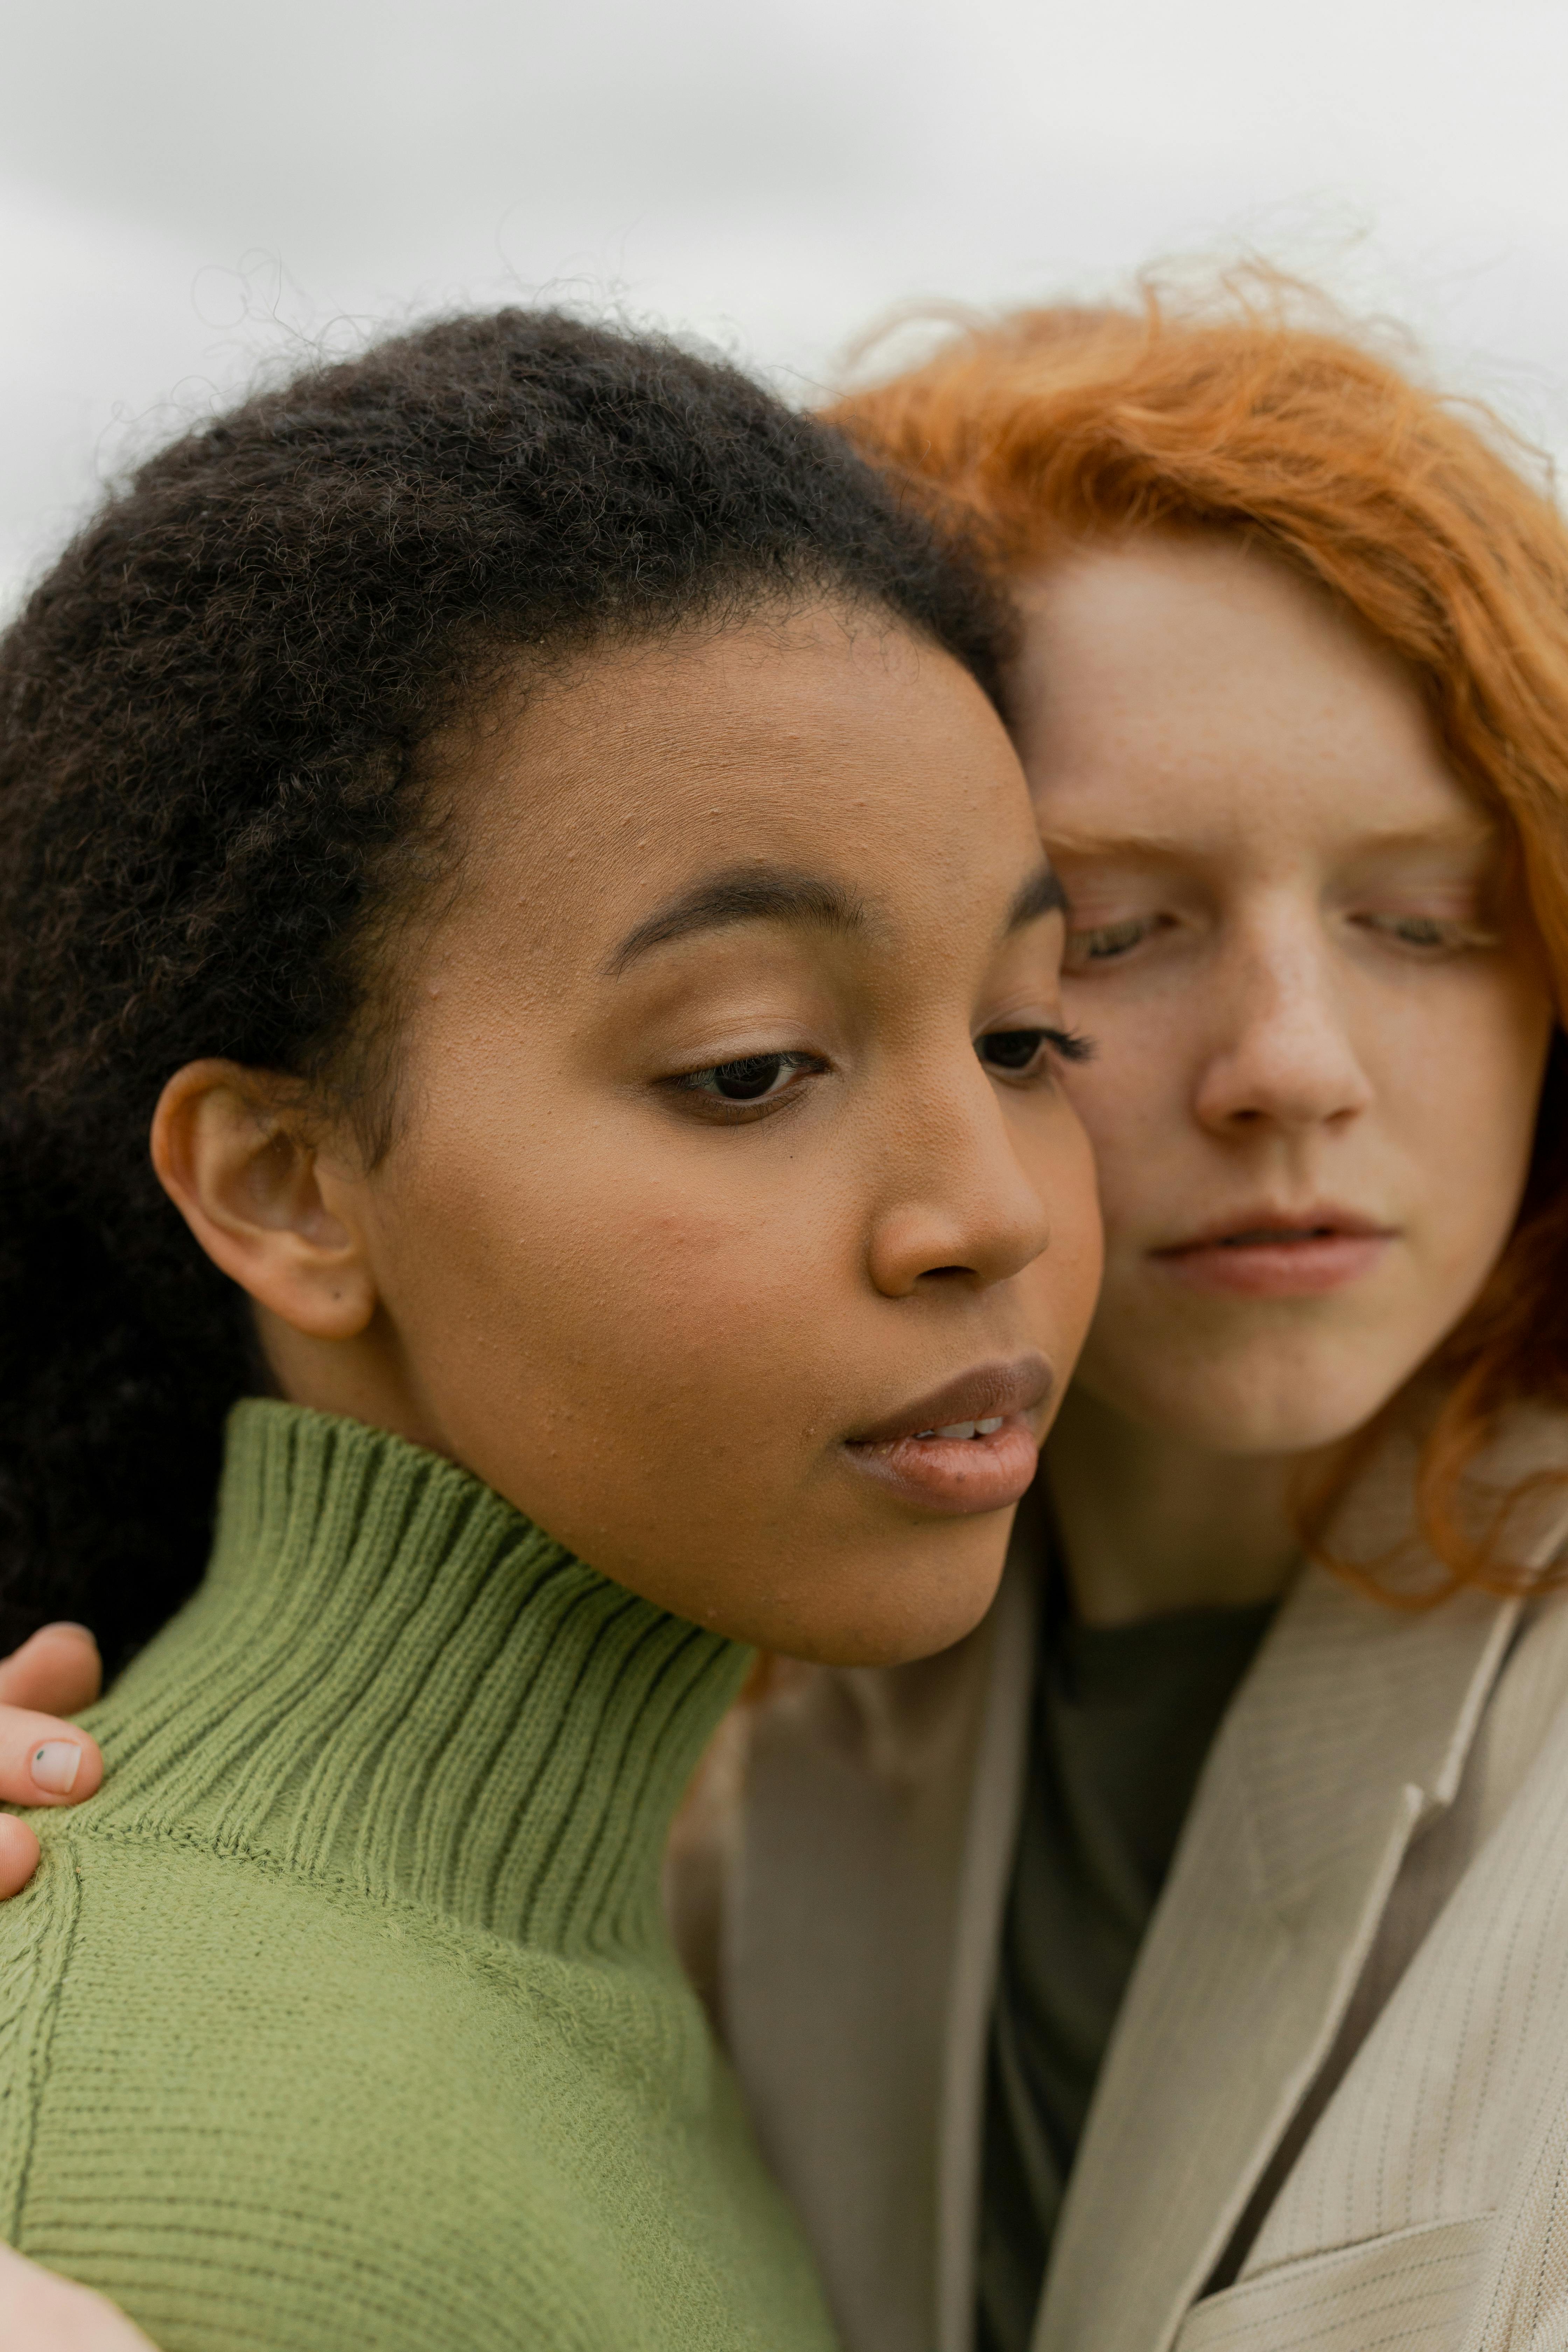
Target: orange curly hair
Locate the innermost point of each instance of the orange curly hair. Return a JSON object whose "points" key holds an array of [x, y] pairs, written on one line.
{"points": [[1054, 426]]}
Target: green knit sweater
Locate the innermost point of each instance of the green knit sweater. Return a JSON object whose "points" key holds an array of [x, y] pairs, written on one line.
{"points": [[345, 2016]]}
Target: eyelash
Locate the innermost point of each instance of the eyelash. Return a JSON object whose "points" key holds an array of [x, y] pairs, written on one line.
{"points": [[1445, 936], [1112, 941], [692, 1082], [1066, 1045]]}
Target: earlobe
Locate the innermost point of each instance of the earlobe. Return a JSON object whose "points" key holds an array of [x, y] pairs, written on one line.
{"points": [[254, 1191]]}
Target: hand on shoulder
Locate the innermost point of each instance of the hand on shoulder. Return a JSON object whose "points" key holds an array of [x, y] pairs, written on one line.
{"points": [[41, 2313], [43, 1761]]}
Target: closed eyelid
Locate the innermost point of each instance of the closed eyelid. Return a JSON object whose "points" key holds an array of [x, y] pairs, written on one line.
{"points": [[1105, 890], [1465, 902]]}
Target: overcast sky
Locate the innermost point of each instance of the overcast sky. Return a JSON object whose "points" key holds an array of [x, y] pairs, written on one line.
{"points": [[191, 188]]}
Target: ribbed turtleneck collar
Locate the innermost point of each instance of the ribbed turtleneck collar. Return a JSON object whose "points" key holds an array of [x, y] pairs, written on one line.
{"points": [[392, 1681]]}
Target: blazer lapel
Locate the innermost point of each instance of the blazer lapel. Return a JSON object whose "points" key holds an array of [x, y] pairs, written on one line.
{"points": [[1353, 1726], [990, 1832], [879, 1832]]}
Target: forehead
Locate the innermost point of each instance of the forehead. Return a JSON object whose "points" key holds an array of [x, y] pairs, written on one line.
{"points": [[824, 742], [1187, 691]]}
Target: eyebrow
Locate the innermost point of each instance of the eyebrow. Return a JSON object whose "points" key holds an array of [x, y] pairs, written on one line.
{"points": [[802, 902], [1042, 894], [1479, 833]]}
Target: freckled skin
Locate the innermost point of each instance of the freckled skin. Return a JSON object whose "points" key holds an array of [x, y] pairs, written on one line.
{"points": [[1303, 949], [647, 1317]]}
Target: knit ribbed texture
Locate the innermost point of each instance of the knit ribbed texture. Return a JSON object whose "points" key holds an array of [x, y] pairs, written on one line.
{"points": [[346, 2015], [392, 1682]]}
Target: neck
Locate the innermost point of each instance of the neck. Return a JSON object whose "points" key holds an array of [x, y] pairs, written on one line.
{"points": [[392, 1682], [1151, 1524]]}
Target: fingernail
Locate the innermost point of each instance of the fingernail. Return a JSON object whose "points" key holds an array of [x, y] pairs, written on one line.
{"points": [[68, 1625], [55, 1765]]}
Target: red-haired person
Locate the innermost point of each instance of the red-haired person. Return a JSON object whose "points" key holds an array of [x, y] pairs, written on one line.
{"points": [[1178, 1961], [1183, 1960]]}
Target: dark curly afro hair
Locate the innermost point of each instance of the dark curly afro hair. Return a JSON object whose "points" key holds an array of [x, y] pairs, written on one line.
{"points": [[211, 713]]}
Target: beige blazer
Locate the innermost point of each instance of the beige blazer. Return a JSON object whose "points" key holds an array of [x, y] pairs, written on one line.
{"points": [[1334, 2113]]}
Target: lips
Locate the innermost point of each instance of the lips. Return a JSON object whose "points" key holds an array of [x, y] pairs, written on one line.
{"points": [[1267, 1226], [1280, 1252], [972, 1445], [991, 1391]]}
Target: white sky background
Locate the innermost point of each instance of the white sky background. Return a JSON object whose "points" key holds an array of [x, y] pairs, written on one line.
{"points": [[193, 189]]}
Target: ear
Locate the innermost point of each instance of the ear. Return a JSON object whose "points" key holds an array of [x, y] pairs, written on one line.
{"points": [[232, 1154]]}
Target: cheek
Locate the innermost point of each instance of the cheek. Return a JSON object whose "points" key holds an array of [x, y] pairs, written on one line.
{"points": [[1460, 1103], [1064, 1281], [1062, 1293], [580, 1289], [1133, 1098], [719, 1311]]}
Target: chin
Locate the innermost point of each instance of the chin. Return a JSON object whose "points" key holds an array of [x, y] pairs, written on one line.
{"points": [[911, 1611], [1303, 1429], [1258, 1406]]}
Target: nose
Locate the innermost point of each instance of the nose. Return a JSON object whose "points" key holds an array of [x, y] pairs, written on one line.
{"points": [[1282, 1055], [957, 1203]]}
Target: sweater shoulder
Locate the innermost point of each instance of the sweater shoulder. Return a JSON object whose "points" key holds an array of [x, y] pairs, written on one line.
{"points": [[242, 2107], [260, 2114]]}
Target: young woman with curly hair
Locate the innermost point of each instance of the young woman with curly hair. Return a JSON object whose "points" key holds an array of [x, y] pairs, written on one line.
{"points": [[474, 811]]}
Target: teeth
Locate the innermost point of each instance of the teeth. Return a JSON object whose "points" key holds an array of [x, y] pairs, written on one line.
{"points": [[964, 1429]]}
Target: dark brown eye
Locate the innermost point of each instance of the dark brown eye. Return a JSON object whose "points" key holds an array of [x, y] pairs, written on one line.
{"points": [[1014, 1053], [1010, 1049], [752, 1078], [747, 1081]]}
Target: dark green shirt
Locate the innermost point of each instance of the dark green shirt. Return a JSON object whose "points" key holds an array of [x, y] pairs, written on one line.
{"points": [[1123, 1718]]}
